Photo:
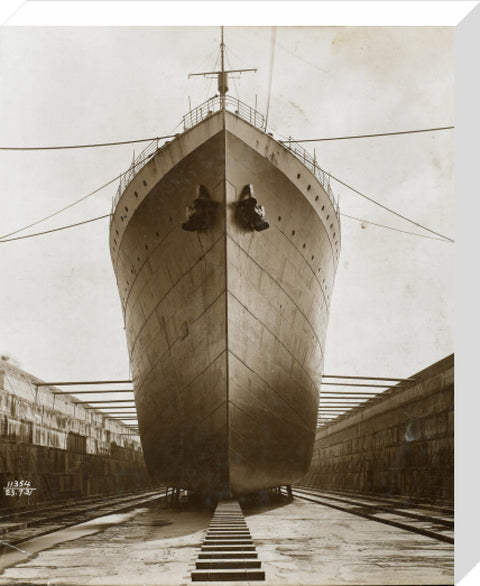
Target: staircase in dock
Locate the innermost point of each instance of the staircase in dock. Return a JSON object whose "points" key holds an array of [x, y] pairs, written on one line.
{"points": [[228, 552]]}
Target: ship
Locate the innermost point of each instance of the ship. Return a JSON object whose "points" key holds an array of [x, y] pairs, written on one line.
{"points": [[224, 243]]}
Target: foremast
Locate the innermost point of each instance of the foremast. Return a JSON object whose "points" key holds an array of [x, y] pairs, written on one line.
{"points": [[222, 74]]}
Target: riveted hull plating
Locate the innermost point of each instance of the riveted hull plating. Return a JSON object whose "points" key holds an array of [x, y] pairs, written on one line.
{"points": [[225, 327]]}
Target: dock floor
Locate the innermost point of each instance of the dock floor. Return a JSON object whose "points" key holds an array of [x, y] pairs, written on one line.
{"points": [[298, 543]]}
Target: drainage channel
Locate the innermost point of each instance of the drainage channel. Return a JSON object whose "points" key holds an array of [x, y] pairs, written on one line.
{"points": [[227, 552]]}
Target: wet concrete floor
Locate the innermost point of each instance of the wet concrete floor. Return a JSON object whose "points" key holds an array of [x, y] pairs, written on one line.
{"points": [[298, 544]]}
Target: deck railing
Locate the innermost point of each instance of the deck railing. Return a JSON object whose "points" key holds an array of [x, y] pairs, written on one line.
{"points": [[306, 158], [243, 111], [215, 104], [148, 152]]}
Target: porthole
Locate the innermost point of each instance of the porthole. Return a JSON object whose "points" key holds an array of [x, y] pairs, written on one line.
{"points": [[293, 232], [316, 198], [136, 194], [309, 187], [328, 215], [126, 209], [146, 246], [145, 183], [313, 256], [303, 245], [157, 234], [334, 234], [138, 258], [117, 232], [298, 175], [121, 217], [170, 219], [114, 240], [331, 226], [323, 207], [279, 218]]}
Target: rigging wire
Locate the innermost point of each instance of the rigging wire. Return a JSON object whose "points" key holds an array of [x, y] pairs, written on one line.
{"points": [[212, 78], [70, 205], [272, 57], [442, 236], [372, 135], [84, 146], [205, 63], [396, 229], [385, 207], [234, 81], [108, 215], [171, 135], [298, 56], [62, 209], [56, 229]]}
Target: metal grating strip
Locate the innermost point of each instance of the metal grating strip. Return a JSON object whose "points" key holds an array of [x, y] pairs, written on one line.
{"points": [[227, 553]]}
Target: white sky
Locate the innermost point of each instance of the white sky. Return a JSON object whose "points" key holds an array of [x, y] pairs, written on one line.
{"points": [[392, 304]]}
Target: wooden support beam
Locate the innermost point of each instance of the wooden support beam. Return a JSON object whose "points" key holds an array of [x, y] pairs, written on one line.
{"points": [[399, 380], [386, 386], [91, 382], [91, 392], [104, 401]]}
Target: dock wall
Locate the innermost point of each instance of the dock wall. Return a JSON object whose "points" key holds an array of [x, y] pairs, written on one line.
{"points": [[398, 444], [62, 449]]}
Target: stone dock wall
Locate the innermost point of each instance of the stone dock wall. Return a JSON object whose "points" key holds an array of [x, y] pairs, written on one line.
{"points": [[398, 444], [62, 449]]}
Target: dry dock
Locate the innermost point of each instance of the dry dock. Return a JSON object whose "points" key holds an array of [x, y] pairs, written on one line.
{"points": [[375, 508]]}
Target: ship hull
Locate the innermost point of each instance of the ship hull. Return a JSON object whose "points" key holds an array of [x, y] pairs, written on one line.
{"points": [[225, 327]]}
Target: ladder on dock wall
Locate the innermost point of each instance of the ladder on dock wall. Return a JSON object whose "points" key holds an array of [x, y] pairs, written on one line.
{"points": [[227, 552]]}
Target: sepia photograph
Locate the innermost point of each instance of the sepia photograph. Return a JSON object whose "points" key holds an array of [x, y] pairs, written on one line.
{"points": [[227, 304]]}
